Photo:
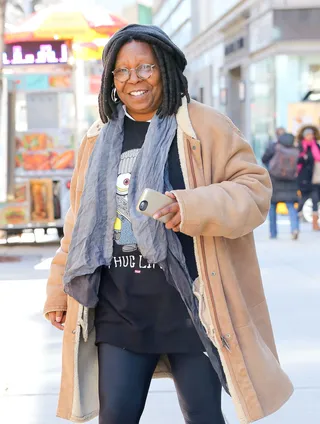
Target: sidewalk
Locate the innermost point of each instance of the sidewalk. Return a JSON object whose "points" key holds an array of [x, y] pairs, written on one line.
{"points": [[30, 358], [291, 276]]}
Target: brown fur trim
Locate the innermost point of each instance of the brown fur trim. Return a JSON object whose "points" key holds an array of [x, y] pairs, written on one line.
{"points": [[305, 127]]}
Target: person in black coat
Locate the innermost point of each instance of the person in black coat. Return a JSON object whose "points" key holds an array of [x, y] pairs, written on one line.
{"points": [[308, 136], [283, 190]]}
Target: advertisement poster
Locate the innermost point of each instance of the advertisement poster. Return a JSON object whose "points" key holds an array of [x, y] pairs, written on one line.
{"points": [[12, 214], [21, 192], [41, 192], [304, 113], [17, 211], [43, 153], [94, 84], [35, 200], [60, 81]]}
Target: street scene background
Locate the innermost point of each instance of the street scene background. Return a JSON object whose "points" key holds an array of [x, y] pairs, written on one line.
{"points": [[256, 61]]}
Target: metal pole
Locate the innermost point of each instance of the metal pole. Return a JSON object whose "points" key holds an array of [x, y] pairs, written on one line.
{"points": [[2, 29], [11, 142], [3, 122]]}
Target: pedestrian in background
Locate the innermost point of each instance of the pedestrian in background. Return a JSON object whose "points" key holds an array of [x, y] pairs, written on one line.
{"points": [[281, 159], [279, 132], [271, 143], [309, 170], [140, 298]]}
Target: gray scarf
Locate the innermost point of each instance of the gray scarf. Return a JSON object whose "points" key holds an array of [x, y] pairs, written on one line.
{"points": [[92, 239]]}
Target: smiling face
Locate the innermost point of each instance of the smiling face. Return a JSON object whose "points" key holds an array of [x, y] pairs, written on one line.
{"points": [[142, 98]]}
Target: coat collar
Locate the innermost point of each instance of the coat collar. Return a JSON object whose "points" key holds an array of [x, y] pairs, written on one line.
{"points": [[183, 120], [95, 129]]}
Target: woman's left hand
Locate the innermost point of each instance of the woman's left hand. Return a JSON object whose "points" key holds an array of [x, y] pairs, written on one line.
{"points": [[175, 221]]}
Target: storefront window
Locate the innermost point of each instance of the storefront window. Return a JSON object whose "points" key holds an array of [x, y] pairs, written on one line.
{"points": [[262, 104], [295, 77], [223, 93]]}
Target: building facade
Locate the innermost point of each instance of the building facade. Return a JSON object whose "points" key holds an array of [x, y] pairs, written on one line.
{"points": [[175, 18], [250, 59]]}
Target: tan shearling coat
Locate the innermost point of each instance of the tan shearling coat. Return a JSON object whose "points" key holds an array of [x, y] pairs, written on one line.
{"points": [[227, 195]]}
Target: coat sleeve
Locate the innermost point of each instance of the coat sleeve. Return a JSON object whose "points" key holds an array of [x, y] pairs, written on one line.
{"points": [[56, 297], [233, 207]]}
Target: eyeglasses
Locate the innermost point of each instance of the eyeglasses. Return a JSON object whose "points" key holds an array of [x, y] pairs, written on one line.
{"points": [[143, 72]]}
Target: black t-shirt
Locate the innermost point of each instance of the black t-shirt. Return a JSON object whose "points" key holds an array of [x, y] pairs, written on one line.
{"points": [[138, 309]]}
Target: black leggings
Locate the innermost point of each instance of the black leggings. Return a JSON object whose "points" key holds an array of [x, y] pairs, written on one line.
{"points": [[315, 196], [125, 377]]}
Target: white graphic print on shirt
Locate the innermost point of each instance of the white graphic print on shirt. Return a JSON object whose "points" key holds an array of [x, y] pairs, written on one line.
{"points": [[123, 234]]}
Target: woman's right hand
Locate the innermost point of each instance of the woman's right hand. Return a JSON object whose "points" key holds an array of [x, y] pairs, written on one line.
{"points": [[58, 318]]}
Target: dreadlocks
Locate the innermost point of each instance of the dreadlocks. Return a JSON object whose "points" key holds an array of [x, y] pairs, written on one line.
{"points": [[172, 63]]}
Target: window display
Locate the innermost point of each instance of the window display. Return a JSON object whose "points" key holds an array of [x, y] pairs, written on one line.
{"points": [[262, 104]]}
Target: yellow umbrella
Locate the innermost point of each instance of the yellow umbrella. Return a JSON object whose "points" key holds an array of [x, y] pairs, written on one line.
{"points": [[89, 51], [63, 22]]}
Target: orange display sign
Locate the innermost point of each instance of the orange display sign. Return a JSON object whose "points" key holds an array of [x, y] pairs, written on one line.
{"points": [[60, 81], [41, 192], [95, 84], [63, 160], [34, 142], [17, 211], [21, 192], [13, 214], [43, 153], [32, 161]]}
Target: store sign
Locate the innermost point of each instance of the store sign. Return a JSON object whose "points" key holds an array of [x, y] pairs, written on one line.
{"points": [[36, 53], [40, 82], [95, 84], [234, 46]]}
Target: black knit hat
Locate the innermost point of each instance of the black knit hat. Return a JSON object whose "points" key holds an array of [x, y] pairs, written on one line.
{"points": [[156, 34], [172, 63]]}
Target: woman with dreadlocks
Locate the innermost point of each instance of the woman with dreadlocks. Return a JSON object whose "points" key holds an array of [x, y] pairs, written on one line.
{"points": [[139, 299]]}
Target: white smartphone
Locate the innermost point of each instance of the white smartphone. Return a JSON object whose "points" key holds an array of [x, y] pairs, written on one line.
{"points": [[151, 201]]}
